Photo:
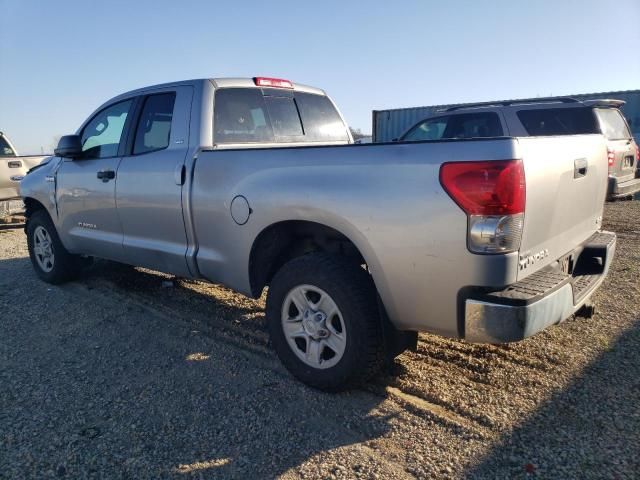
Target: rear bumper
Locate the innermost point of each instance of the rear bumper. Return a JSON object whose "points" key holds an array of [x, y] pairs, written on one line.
{"points": [[544, 298], [619, 189]]}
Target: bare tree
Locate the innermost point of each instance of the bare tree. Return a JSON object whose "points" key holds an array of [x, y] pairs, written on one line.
{"points": [[357, 134]]}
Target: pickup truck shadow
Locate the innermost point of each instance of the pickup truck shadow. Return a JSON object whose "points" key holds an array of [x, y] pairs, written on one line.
{"points": [[206, 304], [570, 435], [178, 381], [152, 395], [239, 417]]}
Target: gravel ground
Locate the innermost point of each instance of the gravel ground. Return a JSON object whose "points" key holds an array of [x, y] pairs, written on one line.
{"points": [[128, 373]]}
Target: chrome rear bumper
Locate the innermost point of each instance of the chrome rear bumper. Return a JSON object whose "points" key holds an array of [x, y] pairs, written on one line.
{"points": [[542, 299]]}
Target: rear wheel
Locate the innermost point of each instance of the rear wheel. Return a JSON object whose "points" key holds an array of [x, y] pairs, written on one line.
{"points": [[51, 261], [323, 320]]}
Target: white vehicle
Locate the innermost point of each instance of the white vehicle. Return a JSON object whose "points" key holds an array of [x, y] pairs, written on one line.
{"points": [[13, 168]]}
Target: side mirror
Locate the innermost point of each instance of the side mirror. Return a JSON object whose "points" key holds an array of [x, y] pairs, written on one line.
{"points": [[69, 146]]}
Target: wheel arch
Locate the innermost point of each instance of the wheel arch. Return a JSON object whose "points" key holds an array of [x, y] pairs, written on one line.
{"points": [[32, 205], [284, 240]]}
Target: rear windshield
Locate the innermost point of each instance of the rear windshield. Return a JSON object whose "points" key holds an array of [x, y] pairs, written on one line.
{"points": [[463, 125], [613, 125], [558, 121], [252, 115], [5, 149]]}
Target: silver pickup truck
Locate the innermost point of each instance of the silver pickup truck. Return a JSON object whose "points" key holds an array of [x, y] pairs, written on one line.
{"points": [[253, 183]]}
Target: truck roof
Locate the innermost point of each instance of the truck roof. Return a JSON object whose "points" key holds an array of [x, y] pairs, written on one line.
{"points": [[239, 82]]}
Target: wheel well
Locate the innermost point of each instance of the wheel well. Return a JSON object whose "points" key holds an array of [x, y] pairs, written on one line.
{"points": [[32, 206], [281, 242]]}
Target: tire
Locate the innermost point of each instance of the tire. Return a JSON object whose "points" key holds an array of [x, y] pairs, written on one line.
{"points": [[335, 352], [51, 261]]}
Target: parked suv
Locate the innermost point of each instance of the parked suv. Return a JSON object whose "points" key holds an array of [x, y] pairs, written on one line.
{"points": [[544, 117]]}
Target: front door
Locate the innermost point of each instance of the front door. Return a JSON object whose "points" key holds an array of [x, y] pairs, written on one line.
{"points": [[86, 187], [150, 180]]}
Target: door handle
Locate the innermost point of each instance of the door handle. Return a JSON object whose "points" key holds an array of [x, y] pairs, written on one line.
{"points": [[106, 175], [180, 174], [580, 167]]}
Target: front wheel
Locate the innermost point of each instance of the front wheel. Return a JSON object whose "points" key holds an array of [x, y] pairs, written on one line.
{"points": [[323, 321], [51, 261]]}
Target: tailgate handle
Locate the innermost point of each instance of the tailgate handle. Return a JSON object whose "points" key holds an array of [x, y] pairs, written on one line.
{"points": [[579, 167]]}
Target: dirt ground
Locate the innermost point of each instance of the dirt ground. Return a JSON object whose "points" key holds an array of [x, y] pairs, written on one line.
{"points": [[127, 373]]}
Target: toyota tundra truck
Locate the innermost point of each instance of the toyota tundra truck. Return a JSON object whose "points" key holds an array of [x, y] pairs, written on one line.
{"points": [[255, 184]]}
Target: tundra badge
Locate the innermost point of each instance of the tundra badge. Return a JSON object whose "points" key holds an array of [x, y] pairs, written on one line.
{"points": [[529, 259]]}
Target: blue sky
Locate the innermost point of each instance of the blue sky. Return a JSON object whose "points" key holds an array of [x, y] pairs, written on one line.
{"points": [[60, 60]]}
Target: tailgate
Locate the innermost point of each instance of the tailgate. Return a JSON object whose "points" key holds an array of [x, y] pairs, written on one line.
{"points": [[566, 184]]}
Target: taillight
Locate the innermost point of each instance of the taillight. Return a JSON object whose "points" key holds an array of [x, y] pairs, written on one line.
{"points": [[272, 82], [493, 195], [486, 188], [611, 157], [637, 153]]}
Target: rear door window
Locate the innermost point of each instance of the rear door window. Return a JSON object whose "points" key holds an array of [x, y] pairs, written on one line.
{"points": [[612, 124], [154, 126], [252, 115], [558, 121]]}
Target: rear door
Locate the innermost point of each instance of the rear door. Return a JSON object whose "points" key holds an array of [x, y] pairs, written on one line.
{"points": [[150, 181], [619, 142]]}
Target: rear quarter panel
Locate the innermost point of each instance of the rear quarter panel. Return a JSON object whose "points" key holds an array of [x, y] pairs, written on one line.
{"points": [[387, 199]]}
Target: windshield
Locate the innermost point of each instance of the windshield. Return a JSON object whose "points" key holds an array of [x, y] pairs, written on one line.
{"points": [[612, 124], [251, 115], [5, 148]]}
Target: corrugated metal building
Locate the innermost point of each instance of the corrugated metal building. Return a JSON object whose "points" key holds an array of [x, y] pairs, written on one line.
{"points": [[390, 124]]}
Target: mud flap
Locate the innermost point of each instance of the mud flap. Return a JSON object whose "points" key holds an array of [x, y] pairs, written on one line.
{"points": [[395, 341]]}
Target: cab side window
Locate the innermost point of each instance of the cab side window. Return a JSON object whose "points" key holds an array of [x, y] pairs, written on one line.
{"points": [[101, 137], [154, 126]]}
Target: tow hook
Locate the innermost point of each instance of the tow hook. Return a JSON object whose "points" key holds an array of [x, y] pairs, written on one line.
{"points": [[588, 310]]}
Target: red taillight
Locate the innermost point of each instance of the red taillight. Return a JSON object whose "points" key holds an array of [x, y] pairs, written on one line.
{"points": [[486, 188], [272, 82], [611, 157], [637, 153]]}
